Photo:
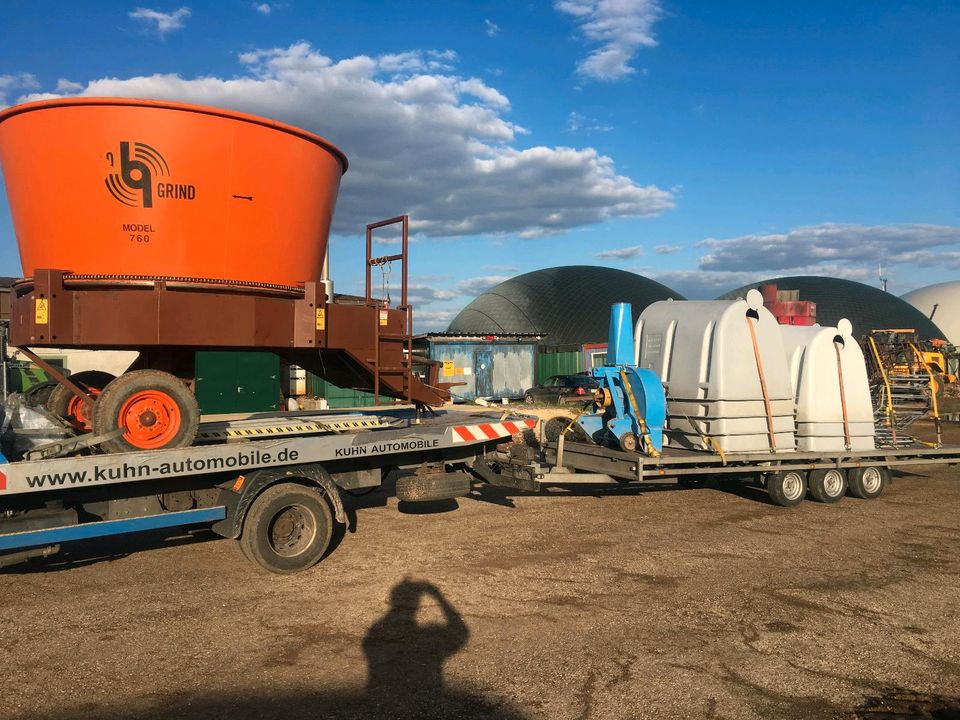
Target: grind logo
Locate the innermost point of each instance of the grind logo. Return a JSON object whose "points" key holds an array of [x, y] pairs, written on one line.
{"points": [[135, 179]]}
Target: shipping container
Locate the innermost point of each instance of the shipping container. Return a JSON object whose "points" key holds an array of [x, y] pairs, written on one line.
{"points": [[489, 368]]}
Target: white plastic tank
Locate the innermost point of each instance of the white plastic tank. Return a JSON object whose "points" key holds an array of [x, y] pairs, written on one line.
{"points": [[830, 415], [724, 369]]}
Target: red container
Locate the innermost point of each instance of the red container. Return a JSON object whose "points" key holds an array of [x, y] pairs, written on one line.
{"points": [[148, 188]]}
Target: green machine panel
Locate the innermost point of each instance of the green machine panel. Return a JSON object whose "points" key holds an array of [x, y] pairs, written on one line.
{"points": [[338, 397], [238, 382]]}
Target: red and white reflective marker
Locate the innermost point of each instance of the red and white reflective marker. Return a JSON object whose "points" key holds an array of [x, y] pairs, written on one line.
{"points": [[490, 431]]}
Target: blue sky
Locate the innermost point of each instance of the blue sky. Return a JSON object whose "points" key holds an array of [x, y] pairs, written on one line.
{"points": [[704, 144]]}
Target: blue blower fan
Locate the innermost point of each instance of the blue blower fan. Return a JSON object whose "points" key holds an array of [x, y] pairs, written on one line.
{"points": [[630, 406]]}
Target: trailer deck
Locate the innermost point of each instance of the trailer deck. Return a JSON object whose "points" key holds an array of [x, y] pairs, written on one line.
{"points": [[565, 457], [787, 476], [269, 441]]}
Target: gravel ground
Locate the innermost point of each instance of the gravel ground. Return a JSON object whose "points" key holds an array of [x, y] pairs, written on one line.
{"points": [[703, 603]]}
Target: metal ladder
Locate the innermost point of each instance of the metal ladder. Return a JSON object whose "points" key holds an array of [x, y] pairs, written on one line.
{"points": [[382, 336]]}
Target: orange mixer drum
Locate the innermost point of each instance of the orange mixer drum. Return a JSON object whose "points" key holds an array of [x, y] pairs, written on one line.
{"points": [[118, 186]]}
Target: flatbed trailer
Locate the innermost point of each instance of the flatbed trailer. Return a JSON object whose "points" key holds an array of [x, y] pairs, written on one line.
{"points": [[270, 481], [273, 482], [787, 476]]}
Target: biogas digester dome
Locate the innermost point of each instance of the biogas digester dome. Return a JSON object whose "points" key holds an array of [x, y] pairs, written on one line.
{"points": [[940, 303], [120, 186], [867, 308], [570, 305]]}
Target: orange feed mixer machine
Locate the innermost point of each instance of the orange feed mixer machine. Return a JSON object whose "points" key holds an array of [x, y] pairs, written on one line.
{"points": [[169, 228]]}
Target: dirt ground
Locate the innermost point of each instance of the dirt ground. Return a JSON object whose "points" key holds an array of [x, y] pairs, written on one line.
{"points": [[705, 602]]}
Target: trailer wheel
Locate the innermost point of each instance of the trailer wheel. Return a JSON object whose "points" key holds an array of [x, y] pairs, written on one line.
{"points": [[64, 404], [156, 408], [787, 488], [868, 482], [287, 528], [827, 486]]}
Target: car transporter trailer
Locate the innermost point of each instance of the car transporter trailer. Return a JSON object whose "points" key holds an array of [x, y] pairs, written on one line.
{"points": [[271, 481]]}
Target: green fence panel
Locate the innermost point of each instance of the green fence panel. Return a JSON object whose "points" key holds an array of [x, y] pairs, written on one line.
{"points": [[558, 363]]}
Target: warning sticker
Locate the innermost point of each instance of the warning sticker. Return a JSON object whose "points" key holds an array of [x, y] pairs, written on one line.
{"points": [[321, 319], [448, 368], [42, 311]]}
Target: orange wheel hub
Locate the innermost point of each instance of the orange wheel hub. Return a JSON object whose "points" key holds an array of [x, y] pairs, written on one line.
{"points": [[78, 412], [151, 418]]}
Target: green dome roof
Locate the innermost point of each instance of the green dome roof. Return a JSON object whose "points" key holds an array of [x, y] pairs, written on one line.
{"points": [[570, 305]]}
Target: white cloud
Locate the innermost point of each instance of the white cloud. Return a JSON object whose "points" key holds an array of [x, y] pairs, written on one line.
{"points": [[708, 284], [667, 249], [620, 27], [621, 253], [577, 122], [477, 285], [502, 268], [263, 8], [434, 145], [483, 92], [829, 244], [18, 82], [840, 250], [162, 22], [432, 320], [491, 27], [417, 61], [418, 294], [68, 86]]}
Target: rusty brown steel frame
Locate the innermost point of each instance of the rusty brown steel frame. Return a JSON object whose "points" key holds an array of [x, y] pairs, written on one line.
{"points": [[167, 319]]}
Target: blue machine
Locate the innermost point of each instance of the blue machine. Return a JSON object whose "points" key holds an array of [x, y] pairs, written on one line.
{"points": [[631, 406]]}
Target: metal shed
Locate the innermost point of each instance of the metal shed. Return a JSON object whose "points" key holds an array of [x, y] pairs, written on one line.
{"points": [[490, 367]]}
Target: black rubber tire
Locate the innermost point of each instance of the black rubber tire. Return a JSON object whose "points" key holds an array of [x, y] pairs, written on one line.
{"points": [[428, 488], [259, 542], [38, 395], [528, 399], [628, 442], [106, 410], [824, 485], [787, 488], [867, 483], [555, 425], [59, 400]]}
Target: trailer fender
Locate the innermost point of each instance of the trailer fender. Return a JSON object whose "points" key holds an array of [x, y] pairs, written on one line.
{"points": [[238, 495]]}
